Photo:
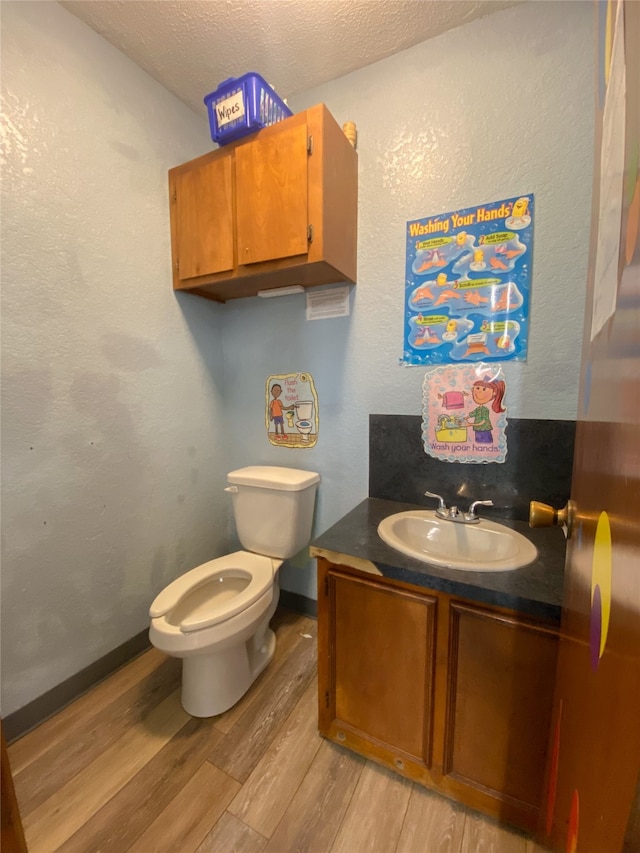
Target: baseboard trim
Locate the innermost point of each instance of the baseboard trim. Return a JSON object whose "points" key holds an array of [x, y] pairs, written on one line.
{"points": [[36, 712], [299, 603], [24, 719]]}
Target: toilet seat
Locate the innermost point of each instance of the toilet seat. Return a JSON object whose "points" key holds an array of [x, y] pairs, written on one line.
{"points": [[258, 572]]}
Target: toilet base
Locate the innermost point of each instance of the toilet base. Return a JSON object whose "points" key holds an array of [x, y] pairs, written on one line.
{"points": [[211, 684]]}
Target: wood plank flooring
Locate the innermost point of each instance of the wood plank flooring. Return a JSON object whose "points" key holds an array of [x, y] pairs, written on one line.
{"points": [[124, 768]]}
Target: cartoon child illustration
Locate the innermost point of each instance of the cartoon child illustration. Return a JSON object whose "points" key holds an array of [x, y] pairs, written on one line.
{"points": [[276, 411], [484, 392]]}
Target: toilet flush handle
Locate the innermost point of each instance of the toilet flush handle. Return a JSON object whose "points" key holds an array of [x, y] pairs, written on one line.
{"points": [[232, 489]]}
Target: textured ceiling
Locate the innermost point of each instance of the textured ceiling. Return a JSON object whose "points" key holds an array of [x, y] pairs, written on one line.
{"points": [[190, 46]]}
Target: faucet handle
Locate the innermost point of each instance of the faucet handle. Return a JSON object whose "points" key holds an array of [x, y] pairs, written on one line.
{"points": [[442, 505], [472, 509]]}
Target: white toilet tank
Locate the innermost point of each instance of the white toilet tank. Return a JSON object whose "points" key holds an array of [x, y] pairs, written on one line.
{"points": [[273, 508]]}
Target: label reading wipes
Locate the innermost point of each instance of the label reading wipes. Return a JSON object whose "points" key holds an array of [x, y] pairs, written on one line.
{"points": [[230, 109]]}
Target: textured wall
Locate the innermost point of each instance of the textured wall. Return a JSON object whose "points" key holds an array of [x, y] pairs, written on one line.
{"points": [[115, 436], [112, 443], [499, 107]]}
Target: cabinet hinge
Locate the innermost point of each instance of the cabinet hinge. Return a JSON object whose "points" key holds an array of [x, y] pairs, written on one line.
{"points": [[309, 144], [310, 233], [174, 195], [326, 698], [326, 586], [177, 264]]}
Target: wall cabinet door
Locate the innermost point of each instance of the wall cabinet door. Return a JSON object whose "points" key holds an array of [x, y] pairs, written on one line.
{"points": [[271, 196], [379, 681], [203, 200]]}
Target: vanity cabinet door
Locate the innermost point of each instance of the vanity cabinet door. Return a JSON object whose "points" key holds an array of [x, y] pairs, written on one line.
{"points": [[376, 666], [500, 688]]}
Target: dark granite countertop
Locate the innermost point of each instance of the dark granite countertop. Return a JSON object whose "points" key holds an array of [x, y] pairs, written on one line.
{"points": [[535, 589]]}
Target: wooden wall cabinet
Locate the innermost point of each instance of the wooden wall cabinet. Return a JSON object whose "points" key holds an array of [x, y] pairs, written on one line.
{"points": [[275, 209], [454, 695]]}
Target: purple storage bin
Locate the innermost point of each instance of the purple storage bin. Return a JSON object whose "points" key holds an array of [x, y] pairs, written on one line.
{"points": [[242, 105]]}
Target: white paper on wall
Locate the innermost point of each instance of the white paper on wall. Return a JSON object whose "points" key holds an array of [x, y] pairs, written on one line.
{"points": [[611, 185], [322, 304]]}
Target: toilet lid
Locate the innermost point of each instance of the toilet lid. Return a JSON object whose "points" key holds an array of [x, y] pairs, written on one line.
{"points": [[199, 612], [272, 477]]}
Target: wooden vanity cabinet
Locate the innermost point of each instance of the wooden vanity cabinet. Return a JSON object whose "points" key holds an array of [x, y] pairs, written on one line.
{"points": [[454, 695], [274, 209]]}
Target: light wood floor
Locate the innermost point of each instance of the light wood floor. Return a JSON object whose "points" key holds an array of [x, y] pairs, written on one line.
{"points": [[125, 768]]}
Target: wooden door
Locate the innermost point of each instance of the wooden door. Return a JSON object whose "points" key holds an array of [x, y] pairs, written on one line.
{"points": [[591, 801], [203, 213], [272, 194], [381, 651]]}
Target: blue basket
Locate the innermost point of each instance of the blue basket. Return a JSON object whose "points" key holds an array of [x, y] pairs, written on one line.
{"points": [[242, 105]]}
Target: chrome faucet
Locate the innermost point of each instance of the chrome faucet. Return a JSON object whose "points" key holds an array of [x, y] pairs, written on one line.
{"points": [[452, 513], [471, 516]]}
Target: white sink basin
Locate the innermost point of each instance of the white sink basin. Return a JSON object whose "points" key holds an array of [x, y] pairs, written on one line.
{"points": [[483, 547]]}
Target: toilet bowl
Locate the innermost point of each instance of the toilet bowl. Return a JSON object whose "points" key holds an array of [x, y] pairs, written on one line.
{"points": [[216, 616], [207, 616], [304, 428]]}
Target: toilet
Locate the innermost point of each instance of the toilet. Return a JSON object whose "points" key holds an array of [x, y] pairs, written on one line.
{"points": [[303, 415], [216, 616]]}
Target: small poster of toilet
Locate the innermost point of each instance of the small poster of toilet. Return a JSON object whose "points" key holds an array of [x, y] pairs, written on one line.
{"points": [[464, 415], [292, 410]]}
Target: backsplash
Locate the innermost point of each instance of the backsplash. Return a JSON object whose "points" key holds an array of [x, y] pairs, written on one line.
{"points": [[538, 467]]}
